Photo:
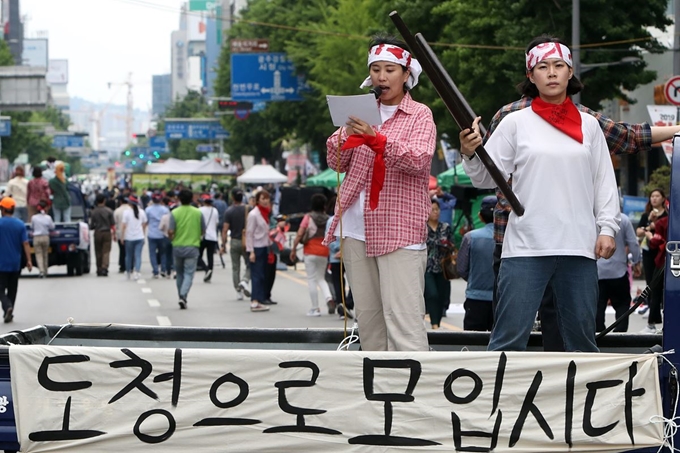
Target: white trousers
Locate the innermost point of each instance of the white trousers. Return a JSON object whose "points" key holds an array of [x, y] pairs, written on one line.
{"points": [[315, 266], [388, 293]]}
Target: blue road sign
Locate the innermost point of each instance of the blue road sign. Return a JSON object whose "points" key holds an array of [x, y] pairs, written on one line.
{"points": [[140, 152], [264, 77], [68, 141], [5, 128], [195, 130], [204, 148], [158, 143]]}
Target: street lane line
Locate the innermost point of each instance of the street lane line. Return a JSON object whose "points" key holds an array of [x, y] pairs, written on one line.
{"points": [[163, 321], [141, 281], [154, 303], [147, 290], [296, 280]]}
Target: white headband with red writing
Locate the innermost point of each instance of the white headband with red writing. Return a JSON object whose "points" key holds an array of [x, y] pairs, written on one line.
{"points": [[547, 50], [394, 54]]}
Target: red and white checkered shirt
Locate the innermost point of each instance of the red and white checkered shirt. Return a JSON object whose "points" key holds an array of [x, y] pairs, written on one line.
{"points": [[401, 216]]}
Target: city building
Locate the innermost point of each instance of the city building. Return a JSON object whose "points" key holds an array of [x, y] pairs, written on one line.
{"points": [[161, 94]]}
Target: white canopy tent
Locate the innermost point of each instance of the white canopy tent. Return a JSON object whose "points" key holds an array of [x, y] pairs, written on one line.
{"points": [[262, 174], [196, 167]]}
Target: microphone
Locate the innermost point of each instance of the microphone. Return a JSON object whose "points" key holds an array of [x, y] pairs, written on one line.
{"points": [[377, 91]]}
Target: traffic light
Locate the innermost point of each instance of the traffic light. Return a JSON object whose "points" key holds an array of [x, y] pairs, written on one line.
{"points": [[149, 162], [234, 105], [134, 163], [141, 155], [127, 152]]}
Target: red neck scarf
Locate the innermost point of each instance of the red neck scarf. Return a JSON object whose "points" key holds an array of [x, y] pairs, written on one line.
{"points": [[265, 212], [377, 144], [565, 116]]}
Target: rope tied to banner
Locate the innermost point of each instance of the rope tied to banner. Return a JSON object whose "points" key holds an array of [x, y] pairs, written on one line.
{"points": [[672, 424]]}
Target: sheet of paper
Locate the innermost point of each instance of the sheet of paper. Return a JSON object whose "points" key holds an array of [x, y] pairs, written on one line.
{"points": [[362, 106]]}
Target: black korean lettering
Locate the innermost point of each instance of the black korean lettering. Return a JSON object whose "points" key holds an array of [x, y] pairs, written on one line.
{"points": [[65, 433], [569, 405], [458, 434], [474, 393], [456, 424], [53, 386], [300, 426], [498, 384], [175, 375], [241, 397], [629, 394], [529, 406], [146, 438], [145, 369], [415, 369], [593, 387]]}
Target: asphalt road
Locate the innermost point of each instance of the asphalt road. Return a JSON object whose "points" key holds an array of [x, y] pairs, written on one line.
{"points": [[102, 300]]}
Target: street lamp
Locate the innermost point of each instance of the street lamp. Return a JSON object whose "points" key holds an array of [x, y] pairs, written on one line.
{"points": [[585, 67]]}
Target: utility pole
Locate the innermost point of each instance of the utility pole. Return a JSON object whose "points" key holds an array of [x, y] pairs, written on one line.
{"points": [[130, 113], [576, 43]]}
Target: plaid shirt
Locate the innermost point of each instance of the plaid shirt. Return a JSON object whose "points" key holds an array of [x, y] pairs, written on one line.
{"points": [[622, 138], [401, 216]]}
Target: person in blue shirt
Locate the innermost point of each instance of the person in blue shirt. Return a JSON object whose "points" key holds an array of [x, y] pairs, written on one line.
{"points": [[447, 203], [156, 238], [474, 265], [13, 238]]}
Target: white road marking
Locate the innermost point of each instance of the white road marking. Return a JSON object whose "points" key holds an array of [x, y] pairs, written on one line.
{"points": [[141, 281], [154, 303], [163, 321], [147, 290]]}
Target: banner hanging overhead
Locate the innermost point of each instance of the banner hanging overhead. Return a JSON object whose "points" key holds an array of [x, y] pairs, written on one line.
{"points": [[84, 399]]}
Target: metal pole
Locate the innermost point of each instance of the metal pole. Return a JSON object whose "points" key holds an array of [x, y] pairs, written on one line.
{"points": [[576, 43]]}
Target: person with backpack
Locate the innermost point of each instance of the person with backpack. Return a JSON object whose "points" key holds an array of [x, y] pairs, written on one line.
{"points": [[311, 234]]}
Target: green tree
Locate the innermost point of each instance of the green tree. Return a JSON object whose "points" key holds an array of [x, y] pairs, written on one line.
{"points": [[660, 178], [480, 43]]}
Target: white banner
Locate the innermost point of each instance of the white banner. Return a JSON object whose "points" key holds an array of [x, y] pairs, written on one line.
{"points": [[85, 399]]}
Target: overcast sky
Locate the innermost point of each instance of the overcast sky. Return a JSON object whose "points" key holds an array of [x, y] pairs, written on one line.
{"points": [[104, 40]]}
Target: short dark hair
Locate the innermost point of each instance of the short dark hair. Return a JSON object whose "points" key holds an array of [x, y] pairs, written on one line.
{"points": [[486, 215], [100, 198], [527, 88], [237, 195], [37, 172], [319, 202], [384, 38], [185, 196]]}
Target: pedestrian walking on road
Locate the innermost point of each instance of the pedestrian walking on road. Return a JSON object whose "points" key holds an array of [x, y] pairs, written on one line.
{"points": [[234, 229], [258, 246], [61, 198], [13, 242], [123, 206], [17, 188], [133, 233], [157, 240], [311, 233], [41, 225], [209, 239], [185, 231], [104, 227]]}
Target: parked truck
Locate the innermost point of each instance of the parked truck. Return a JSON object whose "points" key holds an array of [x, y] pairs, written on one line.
{"points": [[69, 241]]}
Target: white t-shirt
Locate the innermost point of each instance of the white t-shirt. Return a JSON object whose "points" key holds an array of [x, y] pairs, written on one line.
{"points": [[353, 217], [134, 230], [568, 189], [210, 218]]}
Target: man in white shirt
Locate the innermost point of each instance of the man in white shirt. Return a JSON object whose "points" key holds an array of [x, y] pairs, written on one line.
{"points": [[211, 218]]}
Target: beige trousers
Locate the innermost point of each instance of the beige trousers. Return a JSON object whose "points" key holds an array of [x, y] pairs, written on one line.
{"points": [[41, 245], [388, 297]]}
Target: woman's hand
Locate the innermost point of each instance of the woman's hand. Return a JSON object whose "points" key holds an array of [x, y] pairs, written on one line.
{"points": [[470, 139], [357, 126], [293, 256], [252, 257]]}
